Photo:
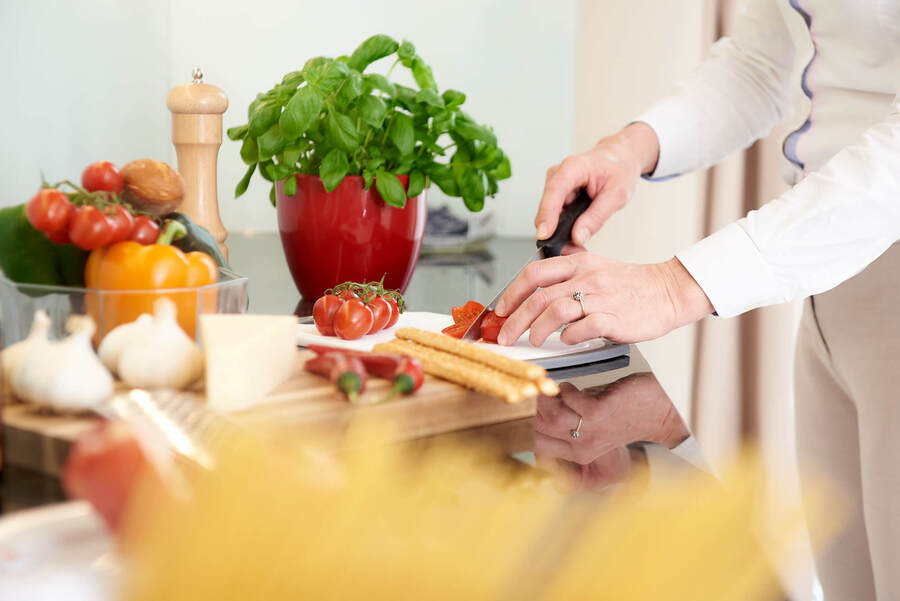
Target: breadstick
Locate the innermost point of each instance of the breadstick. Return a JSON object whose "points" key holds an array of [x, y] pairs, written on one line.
{"points": [[467, 350], [463, 371], [547, 386]]}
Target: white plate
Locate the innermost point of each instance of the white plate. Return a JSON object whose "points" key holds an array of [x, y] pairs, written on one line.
{"points": [[60, 551], [308, 334]]}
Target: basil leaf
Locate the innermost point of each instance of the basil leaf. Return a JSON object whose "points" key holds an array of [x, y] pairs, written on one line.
{"points": [[272, 195], [472, 189], [390, 189], [267, 170], [406, 50], [492, 186], [423, 75], [300, 113], [249, 152], [290, 186], [333, 169], [367, 178], [270, 143], [350, 90], [341, 131], [238, 132], [442, 176], [263, 117], [374, 48], [313, 69], [470, 130], [406, 96], [333, 74], [380, 82], [416, 184], [293, 79], [501, 171], [430, 97], [402, 134], [453, 98], [245, 181], [371, 110], [290, 156]]}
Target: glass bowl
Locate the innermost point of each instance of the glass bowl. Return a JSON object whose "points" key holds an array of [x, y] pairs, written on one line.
{"points": [[109, 308]]}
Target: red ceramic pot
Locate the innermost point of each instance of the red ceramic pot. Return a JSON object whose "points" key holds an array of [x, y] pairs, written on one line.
{"points": [[348, 234]]}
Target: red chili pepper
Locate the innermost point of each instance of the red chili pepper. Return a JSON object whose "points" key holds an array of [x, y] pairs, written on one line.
{"points": [[347, 373], [406, 373]]}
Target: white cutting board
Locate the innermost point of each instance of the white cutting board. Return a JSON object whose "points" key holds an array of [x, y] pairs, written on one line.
{"points": [[308, 334]]}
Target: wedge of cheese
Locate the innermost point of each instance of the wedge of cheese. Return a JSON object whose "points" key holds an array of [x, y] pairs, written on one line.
{"points": [[246, 357]]}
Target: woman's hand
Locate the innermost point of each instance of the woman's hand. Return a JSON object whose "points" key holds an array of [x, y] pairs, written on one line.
{"points": [[608, 171], [623, 302]]}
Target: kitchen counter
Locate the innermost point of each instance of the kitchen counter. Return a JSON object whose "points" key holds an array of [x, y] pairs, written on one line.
{"points": [[625, 415]]}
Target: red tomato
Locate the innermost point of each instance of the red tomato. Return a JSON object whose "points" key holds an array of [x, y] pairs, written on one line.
{"points": [[90, 228], [145, 230], [59, 237], [466, 313], [347, 294], [102, 175], [103, 467], [323, 313], [49, 210], [456, 330], [353, 320], [395, 312], [122, 222], [490, 326], [381, 313]]}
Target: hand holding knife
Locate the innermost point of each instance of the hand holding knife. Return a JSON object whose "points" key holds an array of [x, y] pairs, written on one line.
{"points": [[551, 247]]}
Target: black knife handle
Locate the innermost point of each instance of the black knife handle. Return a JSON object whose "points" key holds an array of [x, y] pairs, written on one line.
{"points": [[563, 235]]}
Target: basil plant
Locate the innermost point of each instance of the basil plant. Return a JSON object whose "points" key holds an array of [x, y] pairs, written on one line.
{"points": [[333, 119]]}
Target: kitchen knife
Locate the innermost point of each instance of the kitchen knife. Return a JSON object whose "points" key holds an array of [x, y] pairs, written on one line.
{"points": [[551, 247]]}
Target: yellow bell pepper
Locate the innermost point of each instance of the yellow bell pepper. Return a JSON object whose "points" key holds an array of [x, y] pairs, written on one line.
{"points": [[121, 277]]}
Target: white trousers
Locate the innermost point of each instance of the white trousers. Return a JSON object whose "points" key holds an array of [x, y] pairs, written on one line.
{"points": [[848, 424]]}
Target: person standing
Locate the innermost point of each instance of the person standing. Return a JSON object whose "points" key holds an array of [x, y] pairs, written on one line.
{"points": [[829, 239]]}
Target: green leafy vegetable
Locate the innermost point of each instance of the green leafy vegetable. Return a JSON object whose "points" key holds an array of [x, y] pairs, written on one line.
{"points": [[332, 119]]}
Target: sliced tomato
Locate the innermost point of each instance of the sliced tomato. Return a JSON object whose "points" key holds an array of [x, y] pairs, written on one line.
{"points": [[490, 326], [466, 313], [456, 330]]}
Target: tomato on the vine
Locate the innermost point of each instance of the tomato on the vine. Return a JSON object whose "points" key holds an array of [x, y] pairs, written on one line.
{"points": [[59, 236], [145, 230], [347, 294], [102, 175], [395, 312], [90, 228], [49, 210], [122, 223], [323, 313], [381, 313], [353, 320]]}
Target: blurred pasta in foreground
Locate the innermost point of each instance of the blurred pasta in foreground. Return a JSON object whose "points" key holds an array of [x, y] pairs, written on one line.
{"points": [[447, 522]]}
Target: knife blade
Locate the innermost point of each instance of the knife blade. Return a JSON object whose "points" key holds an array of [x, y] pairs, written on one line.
{"points": [[551, 247]]}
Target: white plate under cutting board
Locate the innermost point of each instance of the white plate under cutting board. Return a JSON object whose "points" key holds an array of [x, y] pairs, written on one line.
{"points": [[553, 354]]}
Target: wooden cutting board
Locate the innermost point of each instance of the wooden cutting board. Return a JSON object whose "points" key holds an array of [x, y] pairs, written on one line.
{"points": [[304, 403]]}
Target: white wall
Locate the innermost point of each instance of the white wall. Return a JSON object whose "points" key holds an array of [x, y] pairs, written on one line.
{"points": [[102, 95]]}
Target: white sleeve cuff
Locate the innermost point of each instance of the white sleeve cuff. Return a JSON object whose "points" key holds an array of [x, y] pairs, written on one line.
{"points": [[671, 124], [732, 272]]}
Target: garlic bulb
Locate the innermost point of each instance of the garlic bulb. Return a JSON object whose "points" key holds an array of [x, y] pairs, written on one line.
{"points": [[119, 337], [40, 327], [164, 356], [64, 375]]}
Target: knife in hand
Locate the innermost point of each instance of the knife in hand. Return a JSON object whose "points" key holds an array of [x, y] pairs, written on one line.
{"points": [[551, 247]]}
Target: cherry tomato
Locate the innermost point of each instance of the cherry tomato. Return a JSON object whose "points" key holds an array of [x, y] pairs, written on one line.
{"points": [[49, 210], [90, 228], [490, 326], [456, 330], [60, 236], [323, 313], [145, 230], [381, 313], [466, 313], [353, 320], [102, 175], [395, 312], [122, 221]]}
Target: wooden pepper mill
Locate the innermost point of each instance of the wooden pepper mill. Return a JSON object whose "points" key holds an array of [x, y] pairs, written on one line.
{"points": [[197, 110]]}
